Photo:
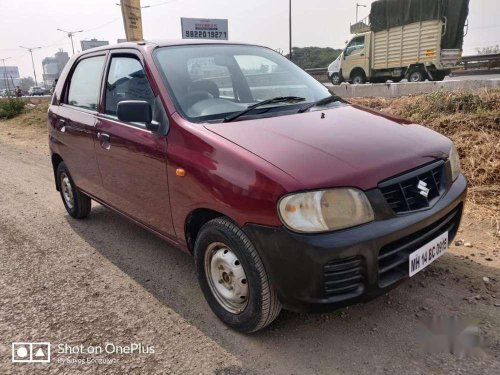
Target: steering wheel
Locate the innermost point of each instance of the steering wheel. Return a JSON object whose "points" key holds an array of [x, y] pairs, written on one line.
{"points": [[188, 100]]}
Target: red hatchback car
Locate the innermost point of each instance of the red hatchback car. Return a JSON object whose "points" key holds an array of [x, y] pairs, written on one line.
{"points": [[286, 195]]}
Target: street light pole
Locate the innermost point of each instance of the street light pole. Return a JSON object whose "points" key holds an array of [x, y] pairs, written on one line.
{"points": [[30, 50], [357, 6], [5, 75], [70, 36], [290, 30]]}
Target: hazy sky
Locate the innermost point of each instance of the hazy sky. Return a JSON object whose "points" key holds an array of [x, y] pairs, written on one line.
{"points": [[322, 23]]}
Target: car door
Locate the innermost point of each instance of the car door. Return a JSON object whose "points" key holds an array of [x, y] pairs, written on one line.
{"points": [[354, 56], [75, 122], [132, 159]]}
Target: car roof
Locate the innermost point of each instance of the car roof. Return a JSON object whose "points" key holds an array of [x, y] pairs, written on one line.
{"points": [[148, 44]]}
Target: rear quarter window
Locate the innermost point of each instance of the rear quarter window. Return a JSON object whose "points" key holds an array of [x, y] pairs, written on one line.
{"points": [[85, 83]]}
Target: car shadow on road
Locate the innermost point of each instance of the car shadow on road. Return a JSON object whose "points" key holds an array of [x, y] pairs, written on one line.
{"points": [[376, 336]]}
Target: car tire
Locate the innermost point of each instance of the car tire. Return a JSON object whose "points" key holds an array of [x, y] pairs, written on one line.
{"points": [[76, 203], [232, 277], [336, 79], [358, 78]]}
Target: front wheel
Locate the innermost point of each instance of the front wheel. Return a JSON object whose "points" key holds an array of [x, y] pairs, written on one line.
{"points": [[335, 79], [232, 277]]}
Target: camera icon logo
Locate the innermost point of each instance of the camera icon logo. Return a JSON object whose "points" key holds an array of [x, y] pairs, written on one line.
{"points": [[31, 352]]}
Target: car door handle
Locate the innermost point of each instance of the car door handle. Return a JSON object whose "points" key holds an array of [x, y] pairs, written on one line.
{"points": [[62, 125], [105, 140]]}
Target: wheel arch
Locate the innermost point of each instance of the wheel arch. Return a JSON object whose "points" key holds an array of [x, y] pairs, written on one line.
{"points": [[355, 70], [56, 160], [195, 220]]}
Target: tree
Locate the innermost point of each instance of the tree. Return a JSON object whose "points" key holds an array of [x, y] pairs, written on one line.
{"points": [[314, 57], [26, 82]]}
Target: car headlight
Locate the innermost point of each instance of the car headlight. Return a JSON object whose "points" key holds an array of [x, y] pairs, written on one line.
{"points": [[325, 210], [455, 163]]}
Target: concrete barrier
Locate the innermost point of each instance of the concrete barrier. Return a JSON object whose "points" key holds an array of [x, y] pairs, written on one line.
{"points": [[391, 90]]}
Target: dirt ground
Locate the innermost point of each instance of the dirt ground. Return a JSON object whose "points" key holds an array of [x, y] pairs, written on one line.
{"points": [[105, 280]]}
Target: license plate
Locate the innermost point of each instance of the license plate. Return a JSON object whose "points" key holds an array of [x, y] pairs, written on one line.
{"points": [[428, 253]]}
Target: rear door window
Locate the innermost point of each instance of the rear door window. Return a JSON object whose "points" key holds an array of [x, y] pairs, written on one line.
{"points": [[126, 81], [85, 83]]}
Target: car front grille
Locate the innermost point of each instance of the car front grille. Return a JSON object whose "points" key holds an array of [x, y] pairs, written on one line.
{"points": [[415, 190], [393, 257], [344, 277]]}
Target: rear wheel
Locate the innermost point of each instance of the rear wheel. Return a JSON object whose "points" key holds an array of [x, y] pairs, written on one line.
{"points": [[232, 277], [416, 75], [76, 203], [358, 77]]}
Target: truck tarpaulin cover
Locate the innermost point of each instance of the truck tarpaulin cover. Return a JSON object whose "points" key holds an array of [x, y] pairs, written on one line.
{"points": [[385, 14]]}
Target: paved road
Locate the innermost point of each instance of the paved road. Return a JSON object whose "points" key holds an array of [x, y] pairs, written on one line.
{"points": [[106, 280]]}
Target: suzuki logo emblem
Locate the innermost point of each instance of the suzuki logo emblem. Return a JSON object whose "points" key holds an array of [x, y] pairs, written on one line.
{"points": [[424, 190]]}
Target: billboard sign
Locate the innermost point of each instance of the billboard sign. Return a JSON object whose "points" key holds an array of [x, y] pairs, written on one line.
{"points": [[92, 43], [204, 28], [9, 72], [132, 19]]}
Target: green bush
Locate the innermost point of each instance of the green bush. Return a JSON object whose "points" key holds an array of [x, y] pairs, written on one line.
{"points": [[11, 108]]}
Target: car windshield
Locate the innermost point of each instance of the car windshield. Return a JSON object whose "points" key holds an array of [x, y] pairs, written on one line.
{"points": [[211, 82]]}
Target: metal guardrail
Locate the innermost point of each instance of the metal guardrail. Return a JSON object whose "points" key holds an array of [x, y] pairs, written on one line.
{"points": [[488, 59], [316, 70], [481, 58]]}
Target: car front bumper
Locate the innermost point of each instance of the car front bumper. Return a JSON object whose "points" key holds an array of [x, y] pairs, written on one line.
{"points": [[322, 272]]}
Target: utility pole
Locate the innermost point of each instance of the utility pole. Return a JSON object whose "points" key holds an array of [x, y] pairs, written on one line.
{"points": [[5, 75], [70, 36], [357, 6], [30, 50], [290, 30]]}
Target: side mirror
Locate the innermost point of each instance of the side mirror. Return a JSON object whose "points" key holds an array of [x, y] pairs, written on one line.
{"points": [[136, 111]]}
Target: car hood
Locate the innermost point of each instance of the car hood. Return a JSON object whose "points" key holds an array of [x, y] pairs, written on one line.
{"points": [[342, 146]]}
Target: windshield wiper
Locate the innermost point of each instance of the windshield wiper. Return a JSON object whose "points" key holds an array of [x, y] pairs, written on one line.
{"points": [[324, 101], [279, 99]]}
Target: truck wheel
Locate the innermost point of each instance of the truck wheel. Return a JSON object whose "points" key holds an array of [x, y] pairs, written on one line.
{"points": [[358, 78], [76, 203], [232, 277], [416, 75], [335, 79]]}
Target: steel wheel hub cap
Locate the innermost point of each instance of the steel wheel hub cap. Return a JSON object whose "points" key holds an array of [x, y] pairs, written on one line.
{"points": [[226, 277], [67, 191]]}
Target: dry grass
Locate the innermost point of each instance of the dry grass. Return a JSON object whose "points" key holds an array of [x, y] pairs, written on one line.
{"points": [[472, 121]]}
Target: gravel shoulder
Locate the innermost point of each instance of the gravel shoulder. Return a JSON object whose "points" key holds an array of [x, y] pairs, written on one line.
{"points": [[106, 280]]}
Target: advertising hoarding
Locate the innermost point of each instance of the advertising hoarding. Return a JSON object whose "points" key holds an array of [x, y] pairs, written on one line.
{"points": [[204, 28]]}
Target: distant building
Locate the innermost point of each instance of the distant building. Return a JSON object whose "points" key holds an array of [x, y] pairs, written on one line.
{"points": [[9, 77], [92, 43], [53, 66], [121, 41]]}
